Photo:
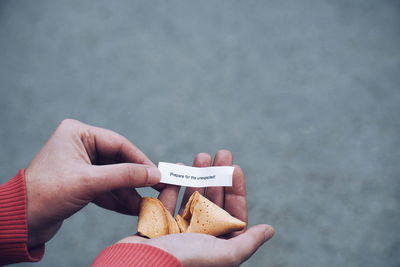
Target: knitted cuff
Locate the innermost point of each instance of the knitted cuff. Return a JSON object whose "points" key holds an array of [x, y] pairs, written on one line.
{"points": [[14, 223], [128, 254]]}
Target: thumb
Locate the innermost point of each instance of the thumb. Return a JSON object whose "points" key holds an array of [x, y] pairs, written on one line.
{"points": [[106, 178], [244, 245]]}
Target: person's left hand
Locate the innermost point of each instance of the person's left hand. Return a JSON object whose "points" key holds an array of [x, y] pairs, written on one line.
{"points": [[194, 249], [79, 164]]}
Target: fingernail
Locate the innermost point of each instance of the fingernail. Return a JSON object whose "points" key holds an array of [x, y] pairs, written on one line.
{"points": [[269, 232], [154, 175]]}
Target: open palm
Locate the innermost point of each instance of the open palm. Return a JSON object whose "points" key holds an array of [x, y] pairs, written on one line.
{"points": [[206, 250]]}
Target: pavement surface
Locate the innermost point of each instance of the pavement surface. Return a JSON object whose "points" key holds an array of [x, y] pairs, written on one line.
{"points": [[304, 93]]}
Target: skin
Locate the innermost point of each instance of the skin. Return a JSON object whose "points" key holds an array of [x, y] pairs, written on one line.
{"points": [[80, 164], [207, 250]]}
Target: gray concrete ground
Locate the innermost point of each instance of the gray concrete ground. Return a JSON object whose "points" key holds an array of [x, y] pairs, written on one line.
{"points": [[305, 93]]}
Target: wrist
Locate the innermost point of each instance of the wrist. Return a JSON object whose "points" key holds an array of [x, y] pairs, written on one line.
{"points": [[40, 229]]}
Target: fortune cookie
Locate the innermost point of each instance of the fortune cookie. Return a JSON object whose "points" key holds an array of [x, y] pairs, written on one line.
{"points": [[154, 219], [209, 218], [199, 216], [182, 223]]}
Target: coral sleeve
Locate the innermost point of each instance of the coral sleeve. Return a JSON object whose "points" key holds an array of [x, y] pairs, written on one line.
{"points": [[132, 255], [13, 223], [14, 236]]}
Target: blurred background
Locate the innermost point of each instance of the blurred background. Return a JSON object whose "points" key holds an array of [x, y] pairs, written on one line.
{"points": [[305, 93]]}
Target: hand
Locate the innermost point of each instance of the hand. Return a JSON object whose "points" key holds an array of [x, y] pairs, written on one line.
{"points": [[81, 164], [207, 250]]}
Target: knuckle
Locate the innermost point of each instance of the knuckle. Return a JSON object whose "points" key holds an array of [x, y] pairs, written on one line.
{"points": [[130, 174], [86, 179], [67, 121], [85, 182], [66, 124], [135, 174]]}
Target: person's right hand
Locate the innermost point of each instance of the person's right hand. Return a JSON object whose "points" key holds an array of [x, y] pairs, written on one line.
{"points": [[206, 250]]}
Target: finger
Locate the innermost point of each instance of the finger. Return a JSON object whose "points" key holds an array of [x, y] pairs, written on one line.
{"points": [[110, 145], [108, 201], [235, 196], [169, 196], [244, 245], [159, 187], [124, 200], [107, 178], [201, 160], [216, 193], [130, 198]]}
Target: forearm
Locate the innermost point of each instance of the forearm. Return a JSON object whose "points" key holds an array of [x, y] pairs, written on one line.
{"points": [[13, 223], [14, 236]]}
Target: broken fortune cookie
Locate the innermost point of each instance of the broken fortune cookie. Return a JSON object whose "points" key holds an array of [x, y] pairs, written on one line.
{"points": [[200, 216], [154, 219]]}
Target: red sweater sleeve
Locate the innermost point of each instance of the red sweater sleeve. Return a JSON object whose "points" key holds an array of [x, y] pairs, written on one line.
{"points": [[14, 236], [13, 223], [135, 255]]}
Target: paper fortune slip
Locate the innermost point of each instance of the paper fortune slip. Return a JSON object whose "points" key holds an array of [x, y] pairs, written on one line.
{"points": [[195, 176]]}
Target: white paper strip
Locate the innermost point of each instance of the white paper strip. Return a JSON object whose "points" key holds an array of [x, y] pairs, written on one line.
{"points": [[195, 176]]}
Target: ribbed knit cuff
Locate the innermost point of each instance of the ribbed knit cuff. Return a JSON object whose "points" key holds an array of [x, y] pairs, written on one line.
{"points": [[127, 254], [13, 223]]}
